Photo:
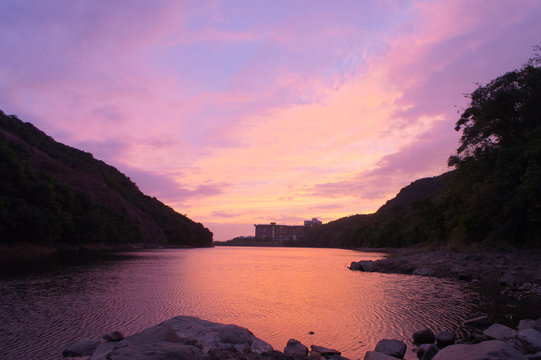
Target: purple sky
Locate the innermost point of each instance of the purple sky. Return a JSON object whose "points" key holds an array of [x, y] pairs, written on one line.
{"points": [[243, 112]]}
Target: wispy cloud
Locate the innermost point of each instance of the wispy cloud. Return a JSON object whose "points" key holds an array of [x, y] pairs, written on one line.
{"points": [[237, 112]]}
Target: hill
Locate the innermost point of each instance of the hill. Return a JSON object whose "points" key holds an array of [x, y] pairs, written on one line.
{"points": [[395, 223], [57, 196]]}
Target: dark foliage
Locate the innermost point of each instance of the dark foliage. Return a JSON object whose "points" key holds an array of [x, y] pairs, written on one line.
{"points": [[53, 194], [406, 220], [496, 195]]}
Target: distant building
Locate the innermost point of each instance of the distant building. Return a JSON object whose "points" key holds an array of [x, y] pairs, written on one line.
{"points": [[312, 222], [277, 232]]}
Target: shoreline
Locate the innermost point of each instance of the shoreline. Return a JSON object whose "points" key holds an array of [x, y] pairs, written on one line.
{"points": [[515, 272], [187, 337]]}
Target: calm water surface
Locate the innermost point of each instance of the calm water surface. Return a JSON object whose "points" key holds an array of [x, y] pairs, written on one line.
{"points": [[277, 293]]}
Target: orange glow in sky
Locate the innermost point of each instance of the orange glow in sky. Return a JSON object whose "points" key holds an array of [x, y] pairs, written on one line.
{"points": [[243, 113]]}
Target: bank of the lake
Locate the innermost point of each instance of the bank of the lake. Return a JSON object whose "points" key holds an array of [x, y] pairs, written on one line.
{"points": [[191, 338], [510, 271]]}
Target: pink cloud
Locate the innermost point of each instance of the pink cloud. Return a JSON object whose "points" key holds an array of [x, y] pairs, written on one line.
{"points": [[425, 156], [208, 104], [224, 214]]}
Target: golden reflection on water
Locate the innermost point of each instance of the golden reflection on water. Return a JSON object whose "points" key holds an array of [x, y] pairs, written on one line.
{"points": [[283, 293]]}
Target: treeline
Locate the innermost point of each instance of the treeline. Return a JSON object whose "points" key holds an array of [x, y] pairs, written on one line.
{"points": [[492, 196], [53, 194]]}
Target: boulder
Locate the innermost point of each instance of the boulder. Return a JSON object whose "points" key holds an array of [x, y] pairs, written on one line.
{"points": [[295, 349], [313, 356], [423, 272], [185, 334], [477, 337], [366, 265], [325, 352], [209, 335], [526, 324], [374, 355], [394, 348], [159, 333], [530, 339], [536, 356], [233, 334], [481, 322], [113, 336], [445, 338], [425, 336], [500, 332], [337, 357], [157, 351], [488, 350], [81, 347], [430, 352], [355, 266], [104, 349], [422, 349]]}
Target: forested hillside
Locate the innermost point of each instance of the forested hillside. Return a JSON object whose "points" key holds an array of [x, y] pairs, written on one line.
{"points": [[492, 196], [52, 194], [402, 221]]}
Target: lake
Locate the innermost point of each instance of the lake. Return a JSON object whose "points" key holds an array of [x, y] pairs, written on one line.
{"points": [[277, 293]]}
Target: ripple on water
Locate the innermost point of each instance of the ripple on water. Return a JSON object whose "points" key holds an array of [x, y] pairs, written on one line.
{"points": [[278, 293]]}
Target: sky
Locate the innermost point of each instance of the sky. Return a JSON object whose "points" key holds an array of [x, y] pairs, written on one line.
{"points": [[245, 112]]}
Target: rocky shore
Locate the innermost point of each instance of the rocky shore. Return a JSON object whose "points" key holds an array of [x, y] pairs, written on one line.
{"points": [[190, 338], [517, 273]]}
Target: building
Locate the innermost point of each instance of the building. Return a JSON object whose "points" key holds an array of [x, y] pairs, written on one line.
{"points": [[312, 222], [277, 232]]}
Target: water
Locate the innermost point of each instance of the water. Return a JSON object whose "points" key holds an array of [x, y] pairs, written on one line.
{"points": [[277, 293]]}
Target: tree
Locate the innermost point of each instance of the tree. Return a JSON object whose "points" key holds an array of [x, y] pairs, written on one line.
{"points": [[501, 114], [497, 188]]}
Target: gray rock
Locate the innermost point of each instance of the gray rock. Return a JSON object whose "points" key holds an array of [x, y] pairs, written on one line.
{"points": [[526, 324], [481, 322], [355, 266], [422, 349], [445, 338], [103, 350], [536, 356], [425, 336], [423, 272], [366, 265], [295, 349], [113, 336], [204, 334], [337, 357], [157, 351], [374, 355], [488, 350], [313, 356], [81, 347], [394, 348], [429, 354], [325, 352], [500, 332], [159, 333], [233, 334], [530, 339], [477, 338]]}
